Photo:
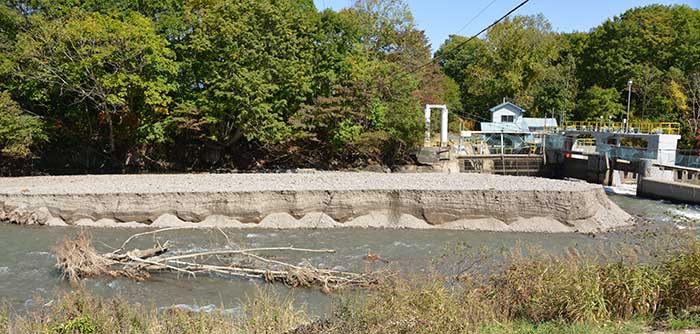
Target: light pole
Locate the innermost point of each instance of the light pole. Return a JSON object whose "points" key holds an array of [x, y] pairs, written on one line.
{"points": [[629, 103]]}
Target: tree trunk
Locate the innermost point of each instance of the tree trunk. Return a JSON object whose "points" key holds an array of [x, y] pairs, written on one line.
{"points": [[110, 125]]}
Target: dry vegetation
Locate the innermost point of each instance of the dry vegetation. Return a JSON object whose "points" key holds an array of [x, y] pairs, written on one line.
{"points": [[532, 294], [77, 259], [81, 313]]}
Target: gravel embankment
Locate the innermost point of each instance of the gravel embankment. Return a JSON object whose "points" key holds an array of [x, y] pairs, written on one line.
{"points": [[314, 200], [336, 181]]}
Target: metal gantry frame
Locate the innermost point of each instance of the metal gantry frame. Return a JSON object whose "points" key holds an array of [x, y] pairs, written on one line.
{"points": [[443, 123]]}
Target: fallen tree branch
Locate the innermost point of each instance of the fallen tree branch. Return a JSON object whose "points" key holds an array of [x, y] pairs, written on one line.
{"points": [[137, 235], [77, 259], [244, 251]]}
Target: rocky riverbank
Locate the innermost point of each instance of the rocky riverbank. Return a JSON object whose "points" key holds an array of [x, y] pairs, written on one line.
{"points": [[314, 200]]}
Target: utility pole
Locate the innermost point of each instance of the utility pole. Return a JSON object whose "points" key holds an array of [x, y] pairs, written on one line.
{"points": [[545, 122], [561, 119], [629, 104], [544, 141]]}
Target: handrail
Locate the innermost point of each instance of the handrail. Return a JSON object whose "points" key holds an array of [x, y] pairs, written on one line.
{"points": [[676, 167], [669, 128]]}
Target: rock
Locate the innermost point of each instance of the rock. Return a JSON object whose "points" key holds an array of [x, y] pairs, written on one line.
{"points": [[41, 216], [23, 215], [56, 222]]}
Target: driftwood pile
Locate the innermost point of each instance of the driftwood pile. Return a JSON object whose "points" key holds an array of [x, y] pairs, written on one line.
{"points": [[78, 259]]}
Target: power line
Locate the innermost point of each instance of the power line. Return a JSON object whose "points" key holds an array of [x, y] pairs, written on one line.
{"points": [[473, 116], [461, 45], [476, 16]]}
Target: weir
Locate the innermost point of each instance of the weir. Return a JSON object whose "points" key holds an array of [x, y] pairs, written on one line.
{"points": [[610, 155], [651, 164]]}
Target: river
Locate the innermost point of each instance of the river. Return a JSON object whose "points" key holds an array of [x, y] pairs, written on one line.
{"points": [[27, 274]]}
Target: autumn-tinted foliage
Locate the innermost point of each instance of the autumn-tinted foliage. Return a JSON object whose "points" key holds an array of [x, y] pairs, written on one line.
{"points": [[585, 75], [180, 85]]}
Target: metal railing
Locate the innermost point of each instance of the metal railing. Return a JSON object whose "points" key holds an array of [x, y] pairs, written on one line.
{"points": [[669, 128], [585, 141]]}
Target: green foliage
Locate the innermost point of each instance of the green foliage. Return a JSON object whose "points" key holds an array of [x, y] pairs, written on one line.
{"points": [[517, 60], [248, 77], [584, 74], [81, 313], [117, 70], [19, 132], [654, 46], [600, 102], [551, 289], [200, 84], [404, 308], [559, 327], [684, 321], [79, 325], [267, 312]]}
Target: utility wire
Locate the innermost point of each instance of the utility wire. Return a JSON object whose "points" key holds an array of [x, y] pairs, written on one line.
{"points": [[461, 45], [476, 16]]}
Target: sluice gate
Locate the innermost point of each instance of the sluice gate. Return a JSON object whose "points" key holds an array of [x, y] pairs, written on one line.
{"points": [[510, 164]]}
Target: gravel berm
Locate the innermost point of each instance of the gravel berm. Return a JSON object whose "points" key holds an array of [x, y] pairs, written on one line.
{"points": [[338, 181], [312, 200]]}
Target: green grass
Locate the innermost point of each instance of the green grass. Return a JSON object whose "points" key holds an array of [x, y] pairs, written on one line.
{"points": [[686, 320], [524, 327]]}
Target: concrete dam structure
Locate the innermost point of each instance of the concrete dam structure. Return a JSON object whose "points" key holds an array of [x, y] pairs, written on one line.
{"points": [[314, 200]]}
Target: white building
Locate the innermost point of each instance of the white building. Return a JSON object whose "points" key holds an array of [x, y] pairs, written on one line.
{"points": [[508, 117]]}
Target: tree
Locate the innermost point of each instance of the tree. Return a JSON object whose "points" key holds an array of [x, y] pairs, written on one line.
{"points": [[642, 44], [603, 102], [250, 68], [648, 90], [10, 22], [684, 91], [371, 108], [511, 62], [19, 132], [556, 93], [117, 70]]}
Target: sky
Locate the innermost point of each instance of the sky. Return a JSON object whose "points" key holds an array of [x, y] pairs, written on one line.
{"points": [[442, 18]]}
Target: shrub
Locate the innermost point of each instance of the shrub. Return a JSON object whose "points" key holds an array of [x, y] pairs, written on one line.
{"points": [[550, 288], [405, 307], [267, 313], [683, 270], [633, 290]]}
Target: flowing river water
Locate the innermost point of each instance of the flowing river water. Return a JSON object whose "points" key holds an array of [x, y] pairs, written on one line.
{"points": [[27, 272]]}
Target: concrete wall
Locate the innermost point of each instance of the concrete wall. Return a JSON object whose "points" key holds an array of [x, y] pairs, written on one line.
{"points": [[668, 190], [656, 183]]}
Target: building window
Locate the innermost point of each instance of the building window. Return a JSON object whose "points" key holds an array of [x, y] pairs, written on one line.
{"points": [[508, 119]]}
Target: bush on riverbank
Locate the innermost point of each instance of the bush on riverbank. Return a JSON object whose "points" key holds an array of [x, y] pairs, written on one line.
{"points": [[540, 294], [82, 313]]}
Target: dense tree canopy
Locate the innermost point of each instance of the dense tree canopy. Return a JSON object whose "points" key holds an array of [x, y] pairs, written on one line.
{"points": [[180, 84], [126, 85], [585, 75]]}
